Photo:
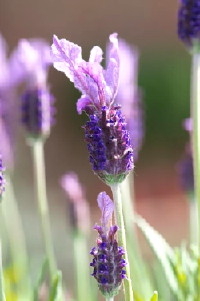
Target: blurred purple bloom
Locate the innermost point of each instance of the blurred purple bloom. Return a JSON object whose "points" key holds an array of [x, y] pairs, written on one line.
{"points": [[108, 262], [32, 60], [185, 165], [186, 171], [79, 209], [129, 95], [188, 124], [9, 79], [108, 141], [189, 21]]}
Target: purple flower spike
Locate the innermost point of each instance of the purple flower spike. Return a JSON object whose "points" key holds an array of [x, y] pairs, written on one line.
{"points": [[32, 59], [189, 22], [38, 112], [111, 154], [108, 263], [109, 146], [2, 180]]}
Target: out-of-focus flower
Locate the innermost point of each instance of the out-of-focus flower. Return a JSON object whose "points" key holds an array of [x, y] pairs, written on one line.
{"points": [[9, 79], [32, 57], [129, 94], [186, 171], [79, 209], [2, 179], [111, 154], [189, 22], [108, 262], [185, 165]]}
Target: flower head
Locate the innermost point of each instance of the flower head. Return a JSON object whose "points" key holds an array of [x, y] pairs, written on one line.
{"points": [[111, 154], [33, 58], [108, 262], [189, 22], [108, 142]]}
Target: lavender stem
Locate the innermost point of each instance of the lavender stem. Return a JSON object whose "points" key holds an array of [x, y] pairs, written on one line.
{"points": [[2, 295], [18, 250], [128, 290], [40, 186], [195, 113]]}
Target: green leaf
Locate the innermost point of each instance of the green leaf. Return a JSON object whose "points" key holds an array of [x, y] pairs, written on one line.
{"points": [[56, 293], [41, 278], [161, 249], [154, 297]]}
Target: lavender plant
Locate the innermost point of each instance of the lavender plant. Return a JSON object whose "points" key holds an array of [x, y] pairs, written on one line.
{"points": [[108, 261], [33, 59], [188, 32], [108, 141]]}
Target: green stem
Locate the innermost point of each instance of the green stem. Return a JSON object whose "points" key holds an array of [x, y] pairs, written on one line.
{"points": [[82, 267], [193, 219], [139, 275], [122, 239], [17, 243], [110, 299], [2, 295], [195, 113], [40, 186]]}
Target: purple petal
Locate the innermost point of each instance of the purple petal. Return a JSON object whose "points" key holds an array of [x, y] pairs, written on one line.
{"points": [[82, 104], [112, 71], [72, 186], [96, 55], [107, 207], [30, 60]]}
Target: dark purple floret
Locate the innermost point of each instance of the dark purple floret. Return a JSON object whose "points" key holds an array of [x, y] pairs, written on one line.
{"points": [[189, 21], [37, 112], [108, 262], [109, 146], [2, 179]]}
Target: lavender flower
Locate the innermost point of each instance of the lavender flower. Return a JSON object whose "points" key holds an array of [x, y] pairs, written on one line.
{"points": [[108, 262], [129, 95], [33, 58], [9, 79], [2, 180], [185, 165], [189, 22], [79, 213], [108, 141]]}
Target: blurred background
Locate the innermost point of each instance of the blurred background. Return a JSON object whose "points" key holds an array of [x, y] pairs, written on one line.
{"points": [[164, 71]]}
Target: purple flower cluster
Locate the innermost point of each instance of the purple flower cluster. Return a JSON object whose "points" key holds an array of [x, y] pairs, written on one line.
{"points": [[108, 261], [189, 21], [37, 112], [106, 135], [32, 59], [109, 146], [2, 180]]}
